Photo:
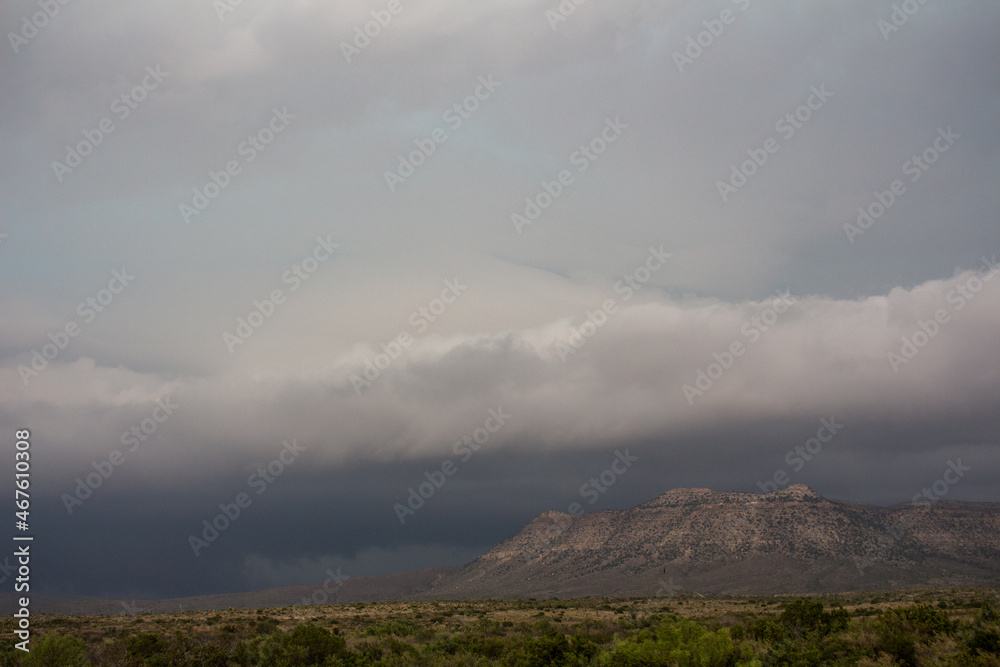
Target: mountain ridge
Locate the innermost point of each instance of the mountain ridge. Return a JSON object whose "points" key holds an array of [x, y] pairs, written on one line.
{"points": [[688, 540], [695, 534]]}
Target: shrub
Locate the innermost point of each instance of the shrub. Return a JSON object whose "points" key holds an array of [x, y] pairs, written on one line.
{"points": [[895, 641], [766, 631], [549, 649], [583, 646], [926, 620], [147, 645], [984, 641], [369, 651], [677, 642], [987, 614], [808, 615], [398, 628], [303, 645], [312, 644], [208, 655], [265, 626], [56, 649]]}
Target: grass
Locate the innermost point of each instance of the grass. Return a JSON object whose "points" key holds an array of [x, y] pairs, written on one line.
{"points": [[922, 627]]}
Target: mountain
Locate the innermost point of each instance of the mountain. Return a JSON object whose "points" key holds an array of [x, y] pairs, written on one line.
{"points": [[702, 541], [686, 541]]}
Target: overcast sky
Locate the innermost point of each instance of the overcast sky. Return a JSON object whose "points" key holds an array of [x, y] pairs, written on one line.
{"points": [[630, 230]]}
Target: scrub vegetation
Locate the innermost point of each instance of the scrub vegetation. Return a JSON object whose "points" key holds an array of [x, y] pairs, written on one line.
{"points": [[906, 628]]}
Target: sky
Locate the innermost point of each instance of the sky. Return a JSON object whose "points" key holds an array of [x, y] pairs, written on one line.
{"points": [[292, 287]]}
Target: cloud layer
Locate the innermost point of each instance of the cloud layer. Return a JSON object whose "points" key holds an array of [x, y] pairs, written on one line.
{"points": [[688, 230]]}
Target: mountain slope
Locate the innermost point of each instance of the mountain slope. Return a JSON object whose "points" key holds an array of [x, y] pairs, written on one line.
{"points": [[792, 540], [682, 542]]}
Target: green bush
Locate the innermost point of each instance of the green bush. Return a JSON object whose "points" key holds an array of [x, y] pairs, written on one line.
{"points": [[265, 626], [987, 614], [304, 645], [369, 651], [926, 620], [766, 631], [549, 649], [984, 642], [208, 655], [397, 628], [683, 642], [808, 616], [55, 649], [895, 641], [150, 649], [313, 644]]}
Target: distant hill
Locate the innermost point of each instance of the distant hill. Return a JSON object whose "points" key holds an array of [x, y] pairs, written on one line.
{"points": [[702, 541], [686, 541]]}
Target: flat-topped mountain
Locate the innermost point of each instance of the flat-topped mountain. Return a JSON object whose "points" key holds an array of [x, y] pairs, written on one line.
{"points": [[688, 541], [698, 540]]}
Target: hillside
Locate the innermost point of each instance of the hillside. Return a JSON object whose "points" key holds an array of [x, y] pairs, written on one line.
{"points": [[686, 541], [702, 541]]}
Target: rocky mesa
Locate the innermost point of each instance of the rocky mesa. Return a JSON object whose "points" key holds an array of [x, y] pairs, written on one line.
{"points": [[684, 542], [712, 542]]}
